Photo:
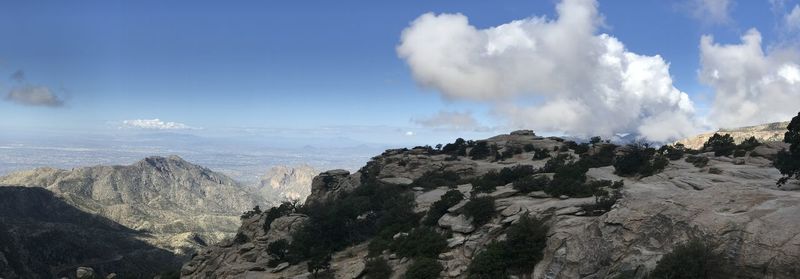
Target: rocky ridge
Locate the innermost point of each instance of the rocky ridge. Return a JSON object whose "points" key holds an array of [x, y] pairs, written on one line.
{"points": [[730, 202], [764, 133], [287, 183], [182, 207]]}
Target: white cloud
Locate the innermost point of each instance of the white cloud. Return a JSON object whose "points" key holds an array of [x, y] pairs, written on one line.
{"points": [[712, 11], [449, 120], [586, 84], [792, 19], [752, 87], [154, 124], [410, 133], [33, 95]]}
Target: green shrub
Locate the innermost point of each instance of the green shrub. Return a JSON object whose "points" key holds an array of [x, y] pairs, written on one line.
{"points": [[371, 210], [531, 183], [279, 250], [436, 178], [377, 245], [525, 241], [673, 153], [556, 163], [529, 147], [639, 159], [595, 140], [581, 148], [420, 242], [319, 265], [749, 144], [492, 262], [458, 148], [518, 254], [492, 179], [691, 260], [424, 268], [439, 208], [603, 201], [721, 145], [569, 180], [480, 209], [603, 157], [697, 160], [377, 268], [739, 153], [788, 161], [539, 154], [480, 151], [617, 184]]}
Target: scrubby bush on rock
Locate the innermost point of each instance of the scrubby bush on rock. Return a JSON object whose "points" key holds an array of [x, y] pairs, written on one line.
{"points": [[748, 144], [278, 250], [377, 268], [673, 152], [697, 160], [721, 145], [457, 148], [691, 260], [492, 179], [371, 210], [531, 183], [480, 209], [439, 208], [480, 151], [569, 180], [639, 159], [518, 254], [424, 268], [420, 242], [788, 161], [556, 162], [436, 178]]}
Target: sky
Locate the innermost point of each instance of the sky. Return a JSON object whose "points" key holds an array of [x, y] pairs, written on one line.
{"points": [[401, 72]]}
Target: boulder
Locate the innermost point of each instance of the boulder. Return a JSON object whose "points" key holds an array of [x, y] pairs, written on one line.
{"points": [[397, 180], [457, 223], [85, 273]]}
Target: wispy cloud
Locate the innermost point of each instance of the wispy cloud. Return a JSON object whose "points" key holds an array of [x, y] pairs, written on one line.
{"points": [[711, 11], [452, 120], [155, 124]]}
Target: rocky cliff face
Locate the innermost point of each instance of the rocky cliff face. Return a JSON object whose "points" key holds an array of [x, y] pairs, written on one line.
{"points": [[41, 236], [183, 206], [287, 183], [732, 203], [763, 133]]}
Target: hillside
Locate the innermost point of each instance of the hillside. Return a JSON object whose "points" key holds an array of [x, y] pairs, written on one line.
{"points": [[732, 204], [287, 183], [41, 236], [763, 133], [183, 206]]}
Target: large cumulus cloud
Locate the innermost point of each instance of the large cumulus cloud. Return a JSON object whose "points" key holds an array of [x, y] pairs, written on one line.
{"points": [[751, 86], [555, 75]]}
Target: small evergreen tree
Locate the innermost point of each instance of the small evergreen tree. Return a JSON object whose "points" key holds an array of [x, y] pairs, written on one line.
{"points": [[721, 145], [788, 161]]}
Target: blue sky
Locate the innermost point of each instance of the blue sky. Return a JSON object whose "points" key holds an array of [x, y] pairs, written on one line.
{"points": [[295, 65]]}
